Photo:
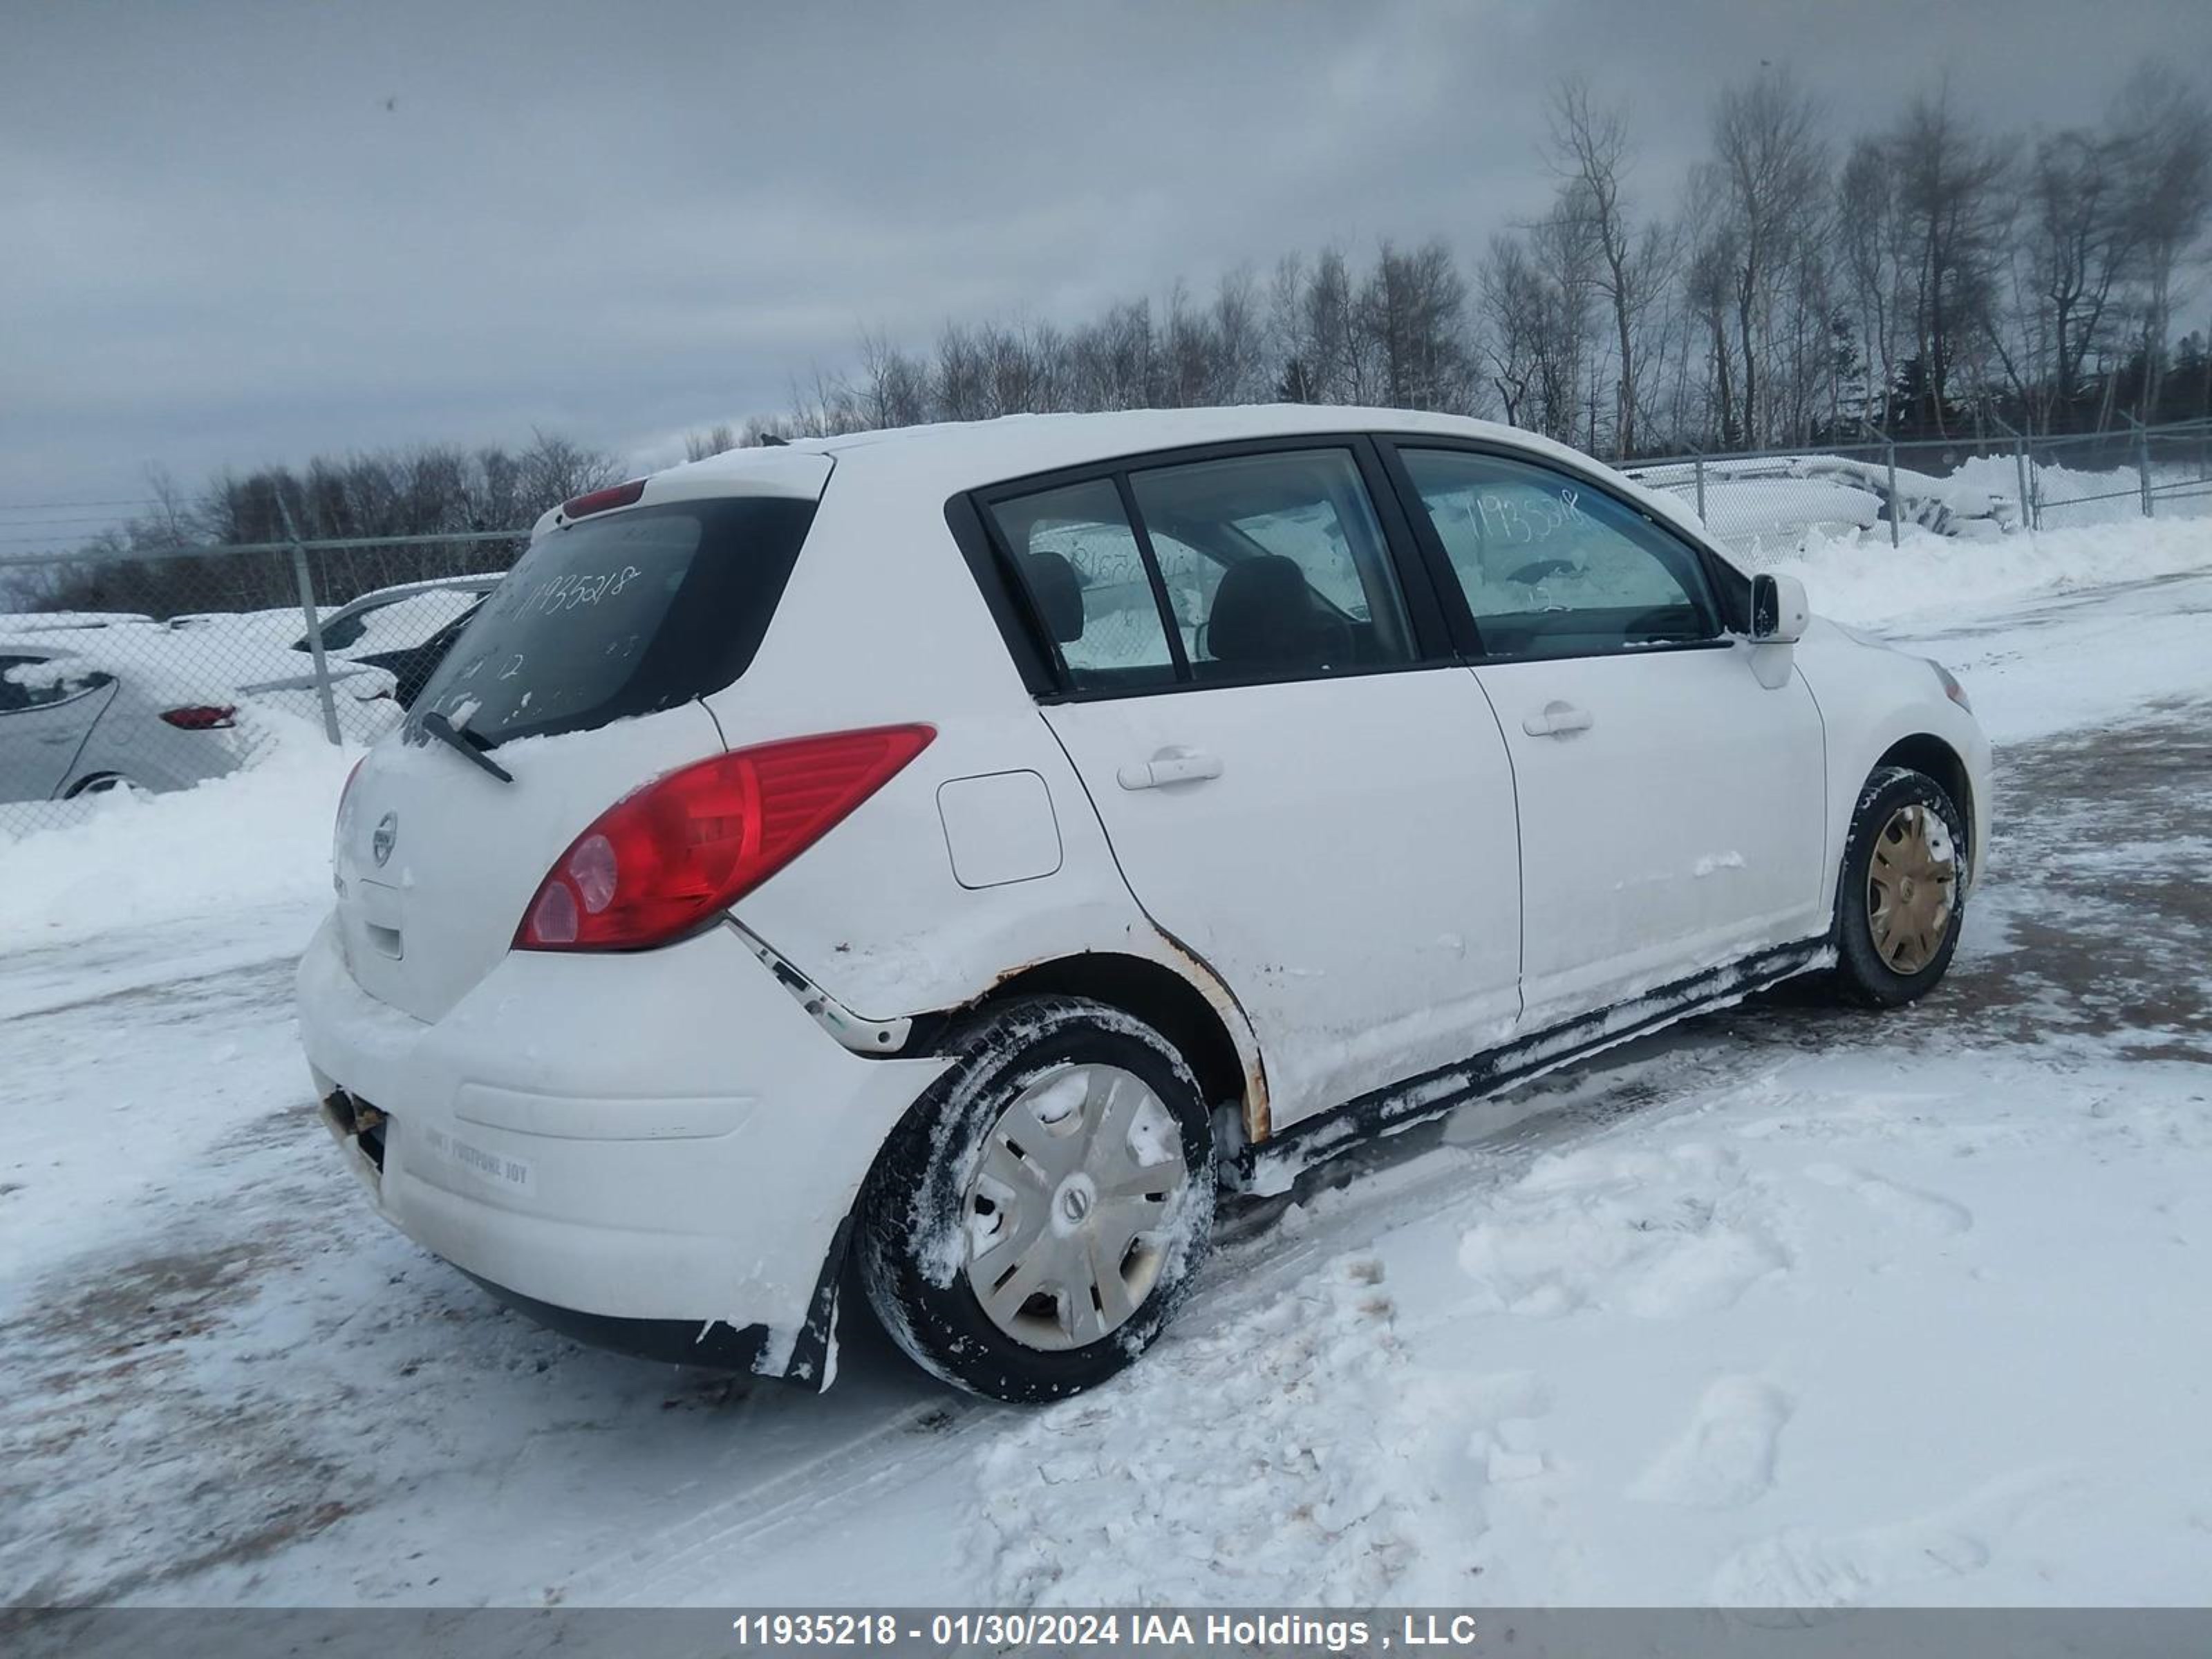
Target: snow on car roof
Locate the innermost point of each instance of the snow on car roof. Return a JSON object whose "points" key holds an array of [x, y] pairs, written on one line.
{"points": [[947, 458], [41, 621], [132, 653], [481, 582], [963, 454]]}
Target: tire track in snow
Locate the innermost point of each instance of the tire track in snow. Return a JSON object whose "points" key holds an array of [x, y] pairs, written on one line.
{"points": [[1266, 1252]]}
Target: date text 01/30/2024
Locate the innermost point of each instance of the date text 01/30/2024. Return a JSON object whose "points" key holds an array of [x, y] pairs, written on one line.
{"points": [[1079, 1630]]}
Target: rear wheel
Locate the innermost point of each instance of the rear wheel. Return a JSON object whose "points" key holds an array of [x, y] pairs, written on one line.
{"points": [[1036, 1219], [1899, 904]]}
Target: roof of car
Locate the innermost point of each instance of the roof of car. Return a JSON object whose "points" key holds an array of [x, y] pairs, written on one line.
{"points": [[947, 458], [964, 454], [482, 582], [44, 621], [34, 645]]}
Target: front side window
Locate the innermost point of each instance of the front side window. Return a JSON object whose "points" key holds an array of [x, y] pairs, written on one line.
{"points": [[1274, 565], [1078, 562], [1553, 567]]}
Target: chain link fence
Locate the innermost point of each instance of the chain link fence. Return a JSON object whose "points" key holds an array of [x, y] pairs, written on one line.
{"points": [[1768, 503], [160, 670]]}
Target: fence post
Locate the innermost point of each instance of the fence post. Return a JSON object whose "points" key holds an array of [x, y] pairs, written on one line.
{"points": [[2142, 462], [300, 574], [1889, 458], [1699, 464], [2024, 468]]}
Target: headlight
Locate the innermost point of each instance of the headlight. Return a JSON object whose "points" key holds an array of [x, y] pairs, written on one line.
{"points": [[1952, 688]]}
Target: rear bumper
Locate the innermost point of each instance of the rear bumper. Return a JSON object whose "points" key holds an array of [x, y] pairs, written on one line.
{"points": [[662, 1140]]}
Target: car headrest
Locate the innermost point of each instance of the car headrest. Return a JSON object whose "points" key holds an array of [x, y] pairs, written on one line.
{"points": [[1264, 613], [1058, 591]]}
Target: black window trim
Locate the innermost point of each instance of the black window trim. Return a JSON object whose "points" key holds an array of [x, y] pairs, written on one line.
{"points": [[95, 679], [1155, 578], [1439, 563], [1043, 671]]}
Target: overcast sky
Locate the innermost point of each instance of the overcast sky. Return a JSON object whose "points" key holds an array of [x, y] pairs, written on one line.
{"points": [[234, 234]]}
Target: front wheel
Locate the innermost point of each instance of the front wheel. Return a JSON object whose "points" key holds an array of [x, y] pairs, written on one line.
{"points": [[1035, 1219], [1899, 904]]}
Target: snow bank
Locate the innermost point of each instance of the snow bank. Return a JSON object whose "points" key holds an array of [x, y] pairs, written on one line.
{"points": [[256, 837], [2068, 498], [1866, 582], [1782, 501], [1813, 1341]]}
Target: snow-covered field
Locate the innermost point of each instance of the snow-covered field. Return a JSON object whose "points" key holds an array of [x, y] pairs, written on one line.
{"points": [[1785, 1306]]}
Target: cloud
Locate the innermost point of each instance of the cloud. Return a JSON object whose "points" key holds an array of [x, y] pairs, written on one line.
{"points": [[242, 234]]}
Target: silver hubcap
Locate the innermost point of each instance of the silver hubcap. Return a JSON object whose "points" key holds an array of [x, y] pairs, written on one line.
{"points": [[1071, 1210]]}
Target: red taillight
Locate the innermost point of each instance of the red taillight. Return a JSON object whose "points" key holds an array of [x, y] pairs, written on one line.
{"points": [[598, 500], [200, 717], [690, 844]]}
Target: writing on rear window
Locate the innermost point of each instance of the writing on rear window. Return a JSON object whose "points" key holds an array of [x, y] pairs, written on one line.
{"points": [[621, 616], [571, 591]]}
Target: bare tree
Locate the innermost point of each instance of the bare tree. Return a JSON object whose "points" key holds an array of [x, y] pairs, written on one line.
{"points": [[713, 441], [1771, 170], [2165, 132], [960, 384], [2081, 239], [1566, 260], [894, 387], [1872, 240], [1536, 292], [1952, 197], [1241, 339], [1590, 149], [1709, 293], [1514, 305], [553, 469], [1412, 310]]}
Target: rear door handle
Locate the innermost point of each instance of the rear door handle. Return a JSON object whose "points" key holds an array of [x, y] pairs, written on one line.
{"points": [[1171, 765], [1556, 719]]}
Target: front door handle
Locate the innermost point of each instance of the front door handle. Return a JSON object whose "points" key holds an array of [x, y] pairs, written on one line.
{"points": [[1171, 765], [1556, 719]]}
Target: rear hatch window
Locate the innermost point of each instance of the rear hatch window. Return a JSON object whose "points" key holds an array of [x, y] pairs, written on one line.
{"points": [[624, 614]]}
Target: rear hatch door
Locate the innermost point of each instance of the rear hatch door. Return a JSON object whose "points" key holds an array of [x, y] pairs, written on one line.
{"points": [[581, 677]]}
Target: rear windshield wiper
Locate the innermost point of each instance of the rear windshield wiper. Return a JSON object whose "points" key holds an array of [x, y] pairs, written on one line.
{"points": [[467, 745]]}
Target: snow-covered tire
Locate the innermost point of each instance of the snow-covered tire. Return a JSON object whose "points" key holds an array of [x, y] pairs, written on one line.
{"points": [[956, 1196], [1908, 821]]}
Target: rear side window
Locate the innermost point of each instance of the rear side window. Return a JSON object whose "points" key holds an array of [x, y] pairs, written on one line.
{"points": [[620, 616], [1275, 565], [1078, 562], [35, 682], [24, 684]]}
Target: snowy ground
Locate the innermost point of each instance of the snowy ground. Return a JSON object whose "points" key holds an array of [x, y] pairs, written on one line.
{"points": [[1787, 1305]]}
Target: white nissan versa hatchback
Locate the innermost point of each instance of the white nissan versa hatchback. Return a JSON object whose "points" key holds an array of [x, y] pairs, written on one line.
{"points": [[948, 855]]}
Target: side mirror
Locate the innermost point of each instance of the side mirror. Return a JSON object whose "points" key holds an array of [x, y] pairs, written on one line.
{"points": [[1779, 613]]}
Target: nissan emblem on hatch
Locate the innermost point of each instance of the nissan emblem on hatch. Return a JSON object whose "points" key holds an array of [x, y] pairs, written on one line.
{"points": [[380, 843]]}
